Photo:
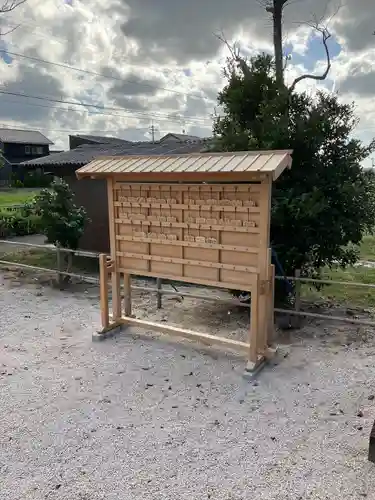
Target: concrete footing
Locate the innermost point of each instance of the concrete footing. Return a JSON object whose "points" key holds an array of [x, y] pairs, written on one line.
{"points": [[107, 333]]}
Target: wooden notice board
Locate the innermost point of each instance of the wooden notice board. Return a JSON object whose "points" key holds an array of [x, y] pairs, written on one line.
{"points": [[199, 218], [209, 234]]}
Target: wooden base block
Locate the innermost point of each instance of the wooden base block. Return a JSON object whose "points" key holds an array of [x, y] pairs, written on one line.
{"points": [[371, 449], [107, 333], [252, 369]]}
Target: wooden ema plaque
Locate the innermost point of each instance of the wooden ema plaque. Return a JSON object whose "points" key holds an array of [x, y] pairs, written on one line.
{"points": [[207, 234]]}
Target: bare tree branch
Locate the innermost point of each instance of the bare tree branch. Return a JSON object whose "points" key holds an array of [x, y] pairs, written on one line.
{"points": [[9, 31], [10, 5], [235, 52], [326, 35]]}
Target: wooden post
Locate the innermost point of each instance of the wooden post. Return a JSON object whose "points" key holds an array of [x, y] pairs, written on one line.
{"points": [[297, 297], [264, 263], [254, 327], [271, 307], [116, 291], [127, 295], [59, 266], [158, 294], [103, 283]]}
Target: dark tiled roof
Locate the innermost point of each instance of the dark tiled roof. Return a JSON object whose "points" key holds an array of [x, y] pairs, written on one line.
{"points": [[180, 137], [86, 153], [23, 136], [101, 139]]}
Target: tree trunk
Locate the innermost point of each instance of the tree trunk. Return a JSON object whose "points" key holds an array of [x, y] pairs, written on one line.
{"points": [[277, 13]]}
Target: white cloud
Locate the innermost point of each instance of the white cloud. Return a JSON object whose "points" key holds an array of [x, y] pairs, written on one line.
{"points": [[164, 61]]}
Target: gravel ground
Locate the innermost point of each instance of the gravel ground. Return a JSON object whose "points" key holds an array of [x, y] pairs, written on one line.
{"points": [[147, 417]]}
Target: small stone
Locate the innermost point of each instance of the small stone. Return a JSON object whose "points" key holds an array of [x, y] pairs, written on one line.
{"points": [[183, 356], [360, 428], [169, 387], [360, 414], [119, 428], [216, 422], [273, 438], [332, 413], [371, 397], [149, 385], [174, 407], [105, 400], [146, 368], [57, 486]]}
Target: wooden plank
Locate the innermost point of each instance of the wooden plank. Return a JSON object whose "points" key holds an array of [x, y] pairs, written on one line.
{"points": [[217, 284], [116, 297], [174, 260], [103, 285], [250, 187], [211, 208], [183, 177], [192, 244], [185, 225], [189, 334]]}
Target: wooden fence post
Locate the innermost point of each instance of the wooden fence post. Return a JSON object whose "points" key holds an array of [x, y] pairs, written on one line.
{"points": [[159, 284], [60, 276], [297, 297]]}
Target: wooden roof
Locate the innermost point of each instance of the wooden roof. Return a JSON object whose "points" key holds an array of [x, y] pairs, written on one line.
{"points": [[271, 163]]}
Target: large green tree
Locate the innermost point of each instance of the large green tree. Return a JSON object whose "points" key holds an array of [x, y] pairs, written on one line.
{"points": [[324, 204]]}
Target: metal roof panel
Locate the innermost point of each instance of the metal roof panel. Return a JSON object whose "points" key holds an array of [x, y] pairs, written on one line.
{"points": [[271, 162]]}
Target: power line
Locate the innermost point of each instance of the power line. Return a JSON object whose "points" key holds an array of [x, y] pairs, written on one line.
{"points": [[131, 113], [82, 131], [172, 120], [95, 73]]}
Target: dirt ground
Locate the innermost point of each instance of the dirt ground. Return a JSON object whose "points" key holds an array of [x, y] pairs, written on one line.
{"points": [[143, 416]]}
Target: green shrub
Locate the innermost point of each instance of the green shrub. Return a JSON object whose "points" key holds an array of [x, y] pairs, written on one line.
{"points": [[18, 224]]}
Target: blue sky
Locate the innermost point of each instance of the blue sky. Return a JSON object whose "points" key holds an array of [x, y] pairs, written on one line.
{"points": [[314, 52], [3, 55]]}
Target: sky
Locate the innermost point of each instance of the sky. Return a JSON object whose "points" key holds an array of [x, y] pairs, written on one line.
{"points": [[144, 62]]}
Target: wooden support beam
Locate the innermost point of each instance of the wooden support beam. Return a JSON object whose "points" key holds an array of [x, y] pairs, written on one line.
{"points": [[103, 280], [116, 297], [189, 334]]}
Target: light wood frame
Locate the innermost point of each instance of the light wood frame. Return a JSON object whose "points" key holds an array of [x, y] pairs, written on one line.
{"points": [[208, 234]]}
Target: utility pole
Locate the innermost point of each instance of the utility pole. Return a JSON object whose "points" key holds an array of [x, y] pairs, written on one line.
{"points": [[152, 129]]}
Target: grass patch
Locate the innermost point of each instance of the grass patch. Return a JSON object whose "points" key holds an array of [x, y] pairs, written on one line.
{"points": [[350, 296], [17, 196], [367, 248], [47, 259]]}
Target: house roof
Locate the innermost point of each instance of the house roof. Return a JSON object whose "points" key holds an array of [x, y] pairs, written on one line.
{"points": [[180, 137], [101, 139], [19, 136], [87, 152], [268, 162]]}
